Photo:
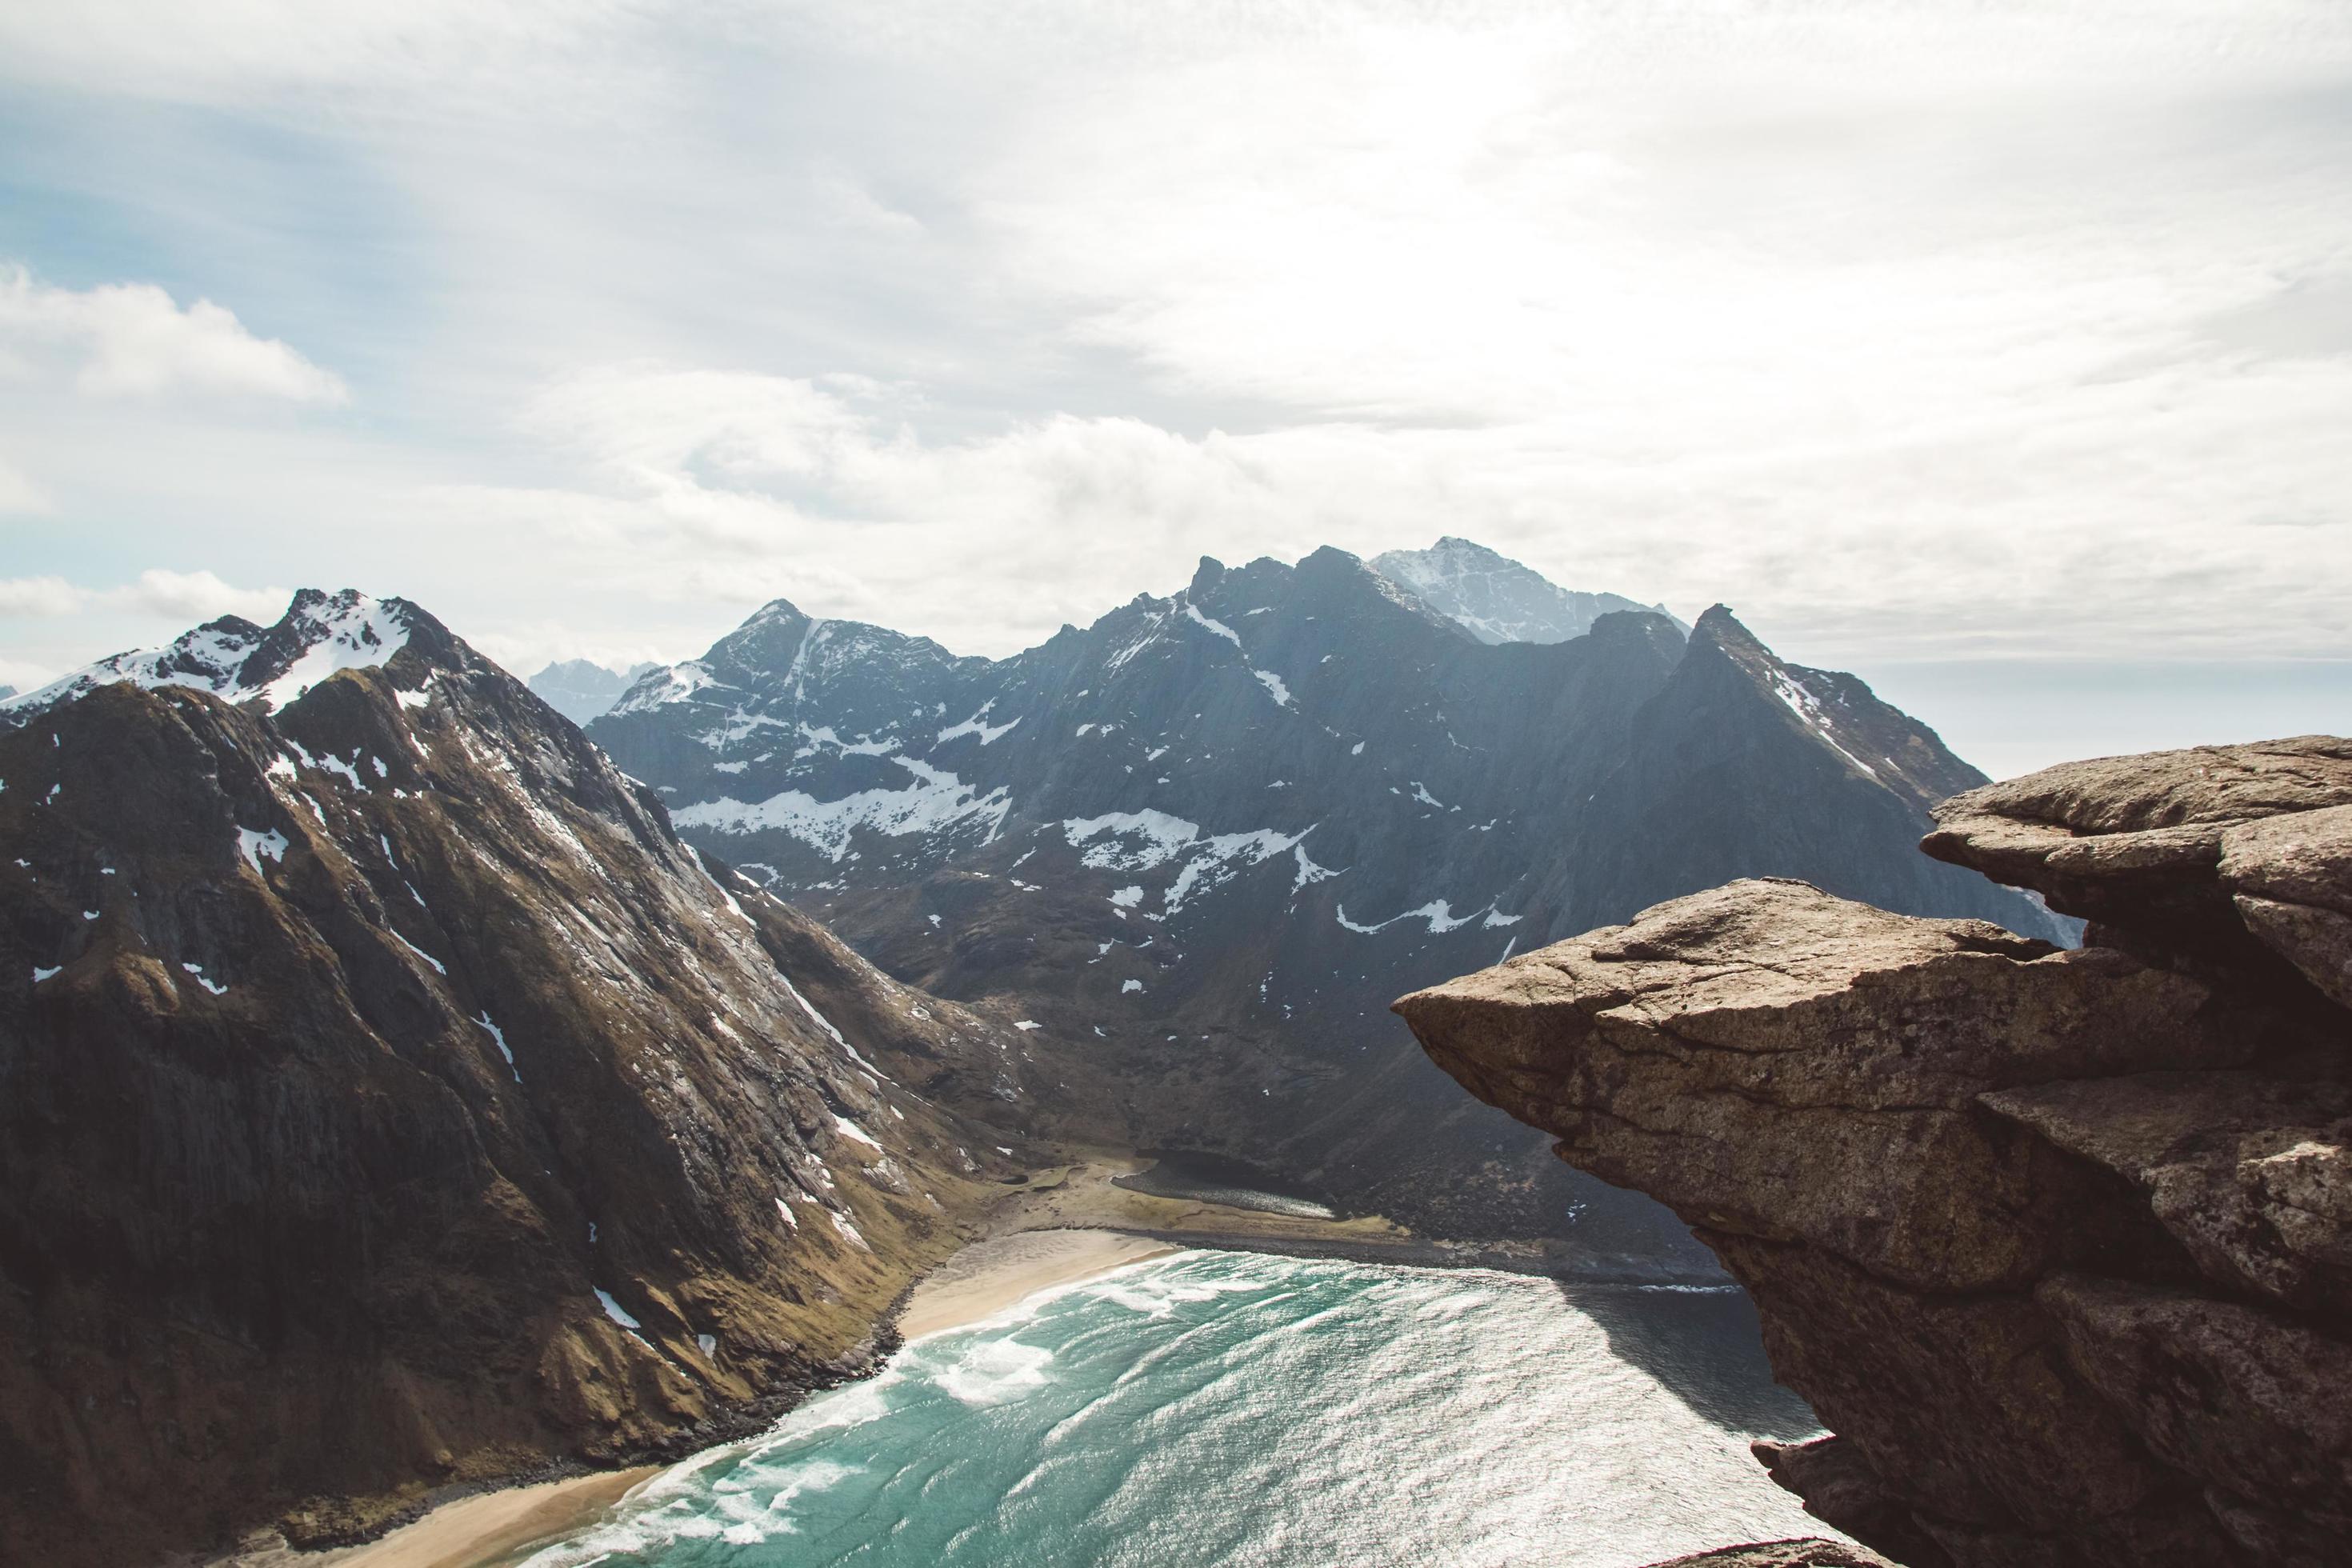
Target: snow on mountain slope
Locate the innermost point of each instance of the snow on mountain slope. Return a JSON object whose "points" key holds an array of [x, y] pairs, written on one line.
{"points": [[239, 662], [1497, 599], [1274, 799]]}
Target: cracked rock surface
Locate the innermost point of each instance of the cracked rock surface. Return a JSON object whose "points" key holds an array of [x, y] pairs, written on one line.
{"points": [[2059, 1244]]}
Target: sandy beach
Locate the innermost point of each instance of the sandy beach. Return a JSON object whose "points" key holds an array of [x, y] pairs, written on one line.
{"points": [[1065, 1225], [988, 1276], [478, 1532]]}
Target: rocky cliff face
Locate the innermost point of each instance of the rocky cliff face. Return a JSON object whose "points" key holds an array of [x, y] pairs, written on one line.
{"points": [[2058, 1243], [388, 1097], [1202, 842]]}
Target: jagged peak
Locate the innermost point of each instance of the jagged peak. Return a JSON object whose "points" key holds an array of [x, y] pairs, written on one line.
{"points": [[319, 633]]}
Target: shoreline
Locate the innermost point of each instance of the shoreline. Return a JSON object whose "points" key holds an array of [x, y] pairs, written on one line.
{"points": [[994, 1275], [477, 1531], [1062, 1227]]}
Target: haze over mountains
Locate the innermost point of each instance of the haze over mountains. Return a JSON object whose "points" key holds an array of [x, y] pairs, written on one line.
{"points": [[581, 689]]}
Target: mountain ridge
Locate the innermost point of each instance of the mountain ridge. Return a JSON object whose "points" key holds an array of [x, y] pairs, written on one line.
{"points": [[1204, 840], [377, 1064]]}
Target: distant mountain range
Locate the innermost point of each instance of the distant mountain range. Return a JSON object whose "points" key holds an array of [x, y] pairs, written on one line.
{"points": [[1202, 843], [581, 689]]}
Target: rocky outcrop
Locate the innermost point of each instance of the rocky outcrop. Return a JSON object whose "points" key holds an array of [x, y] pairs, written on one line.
{"points": [[389, 1098], [2058, 1243]]}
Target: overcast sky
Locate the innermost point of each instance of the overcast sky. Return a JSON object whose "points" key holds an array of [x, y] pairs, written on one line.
{"points": [[2003, 355]]}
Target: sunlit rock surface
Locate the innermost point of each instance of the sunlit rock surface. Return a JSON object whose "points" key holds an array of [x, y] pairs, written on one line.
{"points": [[2058, 1243]]}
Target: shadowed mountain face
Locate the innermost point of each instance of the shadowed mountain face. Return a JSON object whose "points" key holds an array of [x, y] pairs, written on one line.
{"points": [[388, 1097], [1200, 844]]}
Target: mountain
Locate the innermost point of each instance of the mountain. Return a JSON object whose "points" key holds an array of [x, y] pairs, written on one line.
{"points": [[238, 661], [6, 692], [389, 1098], [1494, 598], [579, 690], [1201, 843]]}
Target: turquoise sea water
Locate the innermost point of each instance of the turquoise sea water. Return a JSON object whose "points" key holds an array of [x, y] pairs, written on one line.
{"points": [[1232, 1409]]}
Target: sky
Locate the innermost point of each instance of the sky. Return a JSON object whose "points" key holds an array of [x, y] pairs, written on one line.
{"points": [[2001, 353]]}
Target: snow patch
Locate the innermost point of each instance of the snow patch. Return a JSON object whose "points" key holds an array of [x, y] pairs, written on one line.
{"points": [[936, 802], [1309, 871], [253, 846], [499, 1035], [419, 952], [1274, 684], [1193, 614], [659, 688], [977, 725], [1807, 707], [352, 631], [1438, 912]]}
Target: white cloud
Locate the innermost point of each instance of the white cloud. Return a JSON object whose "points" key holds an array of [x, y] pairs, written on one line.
{"points": [[20, 494], [2051, 524], [1908, 329], [39, 597], [197, 597], [131, 340], [174, 596]]}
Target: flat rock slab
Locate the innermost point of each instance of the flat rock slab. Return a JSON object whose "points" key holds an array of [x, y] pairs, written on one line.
{"points": [[2221, 853]]}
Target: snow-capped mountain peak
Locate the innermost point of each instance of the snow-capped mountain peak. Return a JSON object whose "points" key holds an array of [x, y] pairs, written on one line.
{"points": [[240, 662], [1497, 599]]}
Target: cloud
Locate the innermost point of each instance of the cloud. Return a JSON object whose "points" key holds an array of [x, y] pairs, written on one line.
{"points": [[2051, 524], [176, 597], [39, 597], [129, 340], [1909, 330], [20, 494]]}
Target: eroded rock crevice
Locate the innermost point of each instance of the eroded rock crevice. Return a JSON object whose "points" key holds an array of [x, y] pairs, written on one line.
{"points": [[2058, 1243]]}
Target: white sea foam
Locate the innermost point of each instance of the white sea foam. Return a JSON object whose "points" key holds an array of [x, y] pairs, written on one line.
{"points": [[1217, 1409]]}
